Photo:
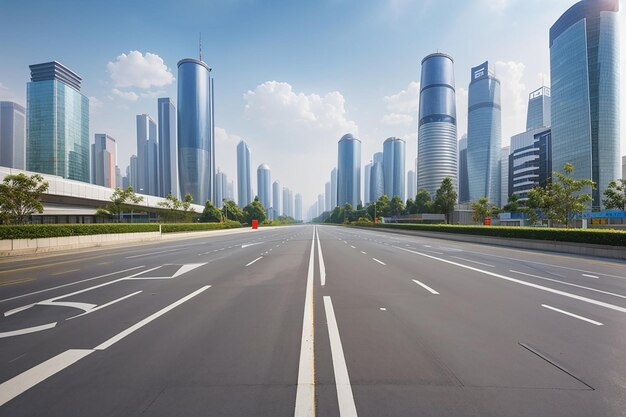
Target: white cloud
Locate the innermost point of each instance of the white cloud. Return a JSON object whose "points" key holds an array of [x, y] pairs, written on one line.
{"points": [[126, 95], [497, 6], [226, 148], [137, 70], [95, 104], [2, 87], [406, 101], [397, 119], [514, 98], [461, 111]]}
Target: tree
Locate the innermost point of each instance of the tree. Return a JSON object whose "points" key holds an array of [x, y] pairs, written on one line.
{"points": [[481, 210], [121, 199], [379, 208], [445, 198], [513, 204], [171, 206], [20, 197], [186, 204], [423, 203], [410, 207], [210, 213], [348, 213], [254, 211], [231, 211], [615, 195], [396, 206]]}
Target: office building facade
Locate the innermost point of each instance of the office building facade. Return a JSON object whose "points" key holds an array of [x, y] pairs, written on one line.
{"points": [[530, 161], [244, 183], [367, 171], [327, 196], [276, 194], [377, 181], [147, 156], [394, 155], [264, 188], [504, 176], [411, 185], [463, 177], [221, 188], [168, 148], [12, 135], [349, 171], [539, 109], [104, 161]]}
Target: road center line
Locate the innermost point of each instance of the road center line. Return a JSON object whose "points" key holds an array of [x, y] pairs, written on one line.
{"points": [[347, 407], [248, 264], [597, 323], [421, 284]]}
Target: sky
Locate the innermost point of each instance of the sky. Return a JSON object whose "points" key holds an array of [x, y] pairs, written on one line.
{"points": [[291, 77]]}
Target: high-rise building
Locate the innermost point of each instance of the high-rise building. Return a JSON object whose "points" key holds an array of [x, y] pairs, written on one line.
{"points": [[264, 188], [119, 182], [394, 151], [168, 148], [539, 111], [244, 184], [221, 188], [231, 191], [104, 161], [411, 185], [12, 135], [378, 157], [437, 130], [504, 176], [133, 173], [585, 81], [327, 202], [276, 193], [463, 176], [58, 123], [530, 161], [349, 171], [333, 188], [285, 208], [196, 130], [147, 156], [298, 208], [484, 134], [366, 182], [377, 181]]}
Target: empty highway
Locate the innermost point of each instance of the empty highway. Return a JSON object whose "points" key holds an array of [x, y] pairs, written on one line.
{"points": [[312, 321]]}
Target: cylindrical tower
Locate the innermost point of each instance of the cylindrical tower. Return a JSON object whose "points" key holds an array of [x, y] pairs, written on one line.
{"points": [[349, 171], [394, 150], [264, 181]]}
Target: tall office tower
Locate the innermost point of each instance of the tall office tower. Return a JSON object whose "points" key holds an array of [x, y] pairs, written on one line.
{"points": [[585, 78], [298, 208], [264, 188], [118, 177], [484, 134], [349, 171], [394, 151], [530, 161], [168, 149], [104, 161], [147, 156], [333, 188], [504, 176], [133, 173], [411, 185], [327, 196], [231, 191], [196, 130], [377, 181], [436, 133], [378, 157], [244, 184], [539, 112], [366, 182], [320, 203], [463, 177], [276, 194], [126, 178], [12, 135], [221, 188], [58, 123]]}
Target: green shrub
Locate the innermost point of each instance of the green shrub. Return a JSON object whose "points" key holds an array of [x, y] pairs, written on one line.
{"points": [[197, 227], [588, 236], [35, 231]]}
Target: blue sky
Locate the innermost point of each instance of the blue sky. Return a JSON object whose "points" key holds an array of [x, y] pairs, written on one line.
{"points": [[291, 77]]}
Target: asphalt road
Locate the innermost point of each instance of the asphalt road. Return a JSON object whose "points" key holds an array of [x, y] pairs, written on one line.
{"points": [[304, 321]]}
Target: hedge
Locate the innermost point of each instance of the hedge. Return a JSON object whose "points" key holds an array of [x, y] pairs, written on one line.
{"points": [[35, 231], [197, 227], [588, 236]]}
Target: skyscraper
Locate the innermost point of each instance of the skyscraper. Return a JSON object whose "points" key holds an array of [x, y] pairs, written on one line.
{"points": [[366, 182], [104, 161], [411, 185], [147, 156], [133, 173], [484, 134], [378, 157], [58, 123], [221, 188], [118, 177], [333, 188], [585, 81], [298, 208], [168, 149], [539, 112], [377, 181], [327, 197], [196, 133], [276, 194], [394, 150], [463, 175], [504, 176], [437, 133], [231, 191], [264, 189], [349, 171], [12, 135], [244, 184], [530, 161]]}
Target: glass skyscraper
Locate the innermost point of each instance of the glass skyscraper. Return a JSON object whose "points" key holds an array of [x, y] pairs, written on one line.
{"points": [[349, 171], [196, 144], [394, 151], [463, 179], [367, 171], [12, 135], [539, 111], [244, 184], [58, 123], [264, 187], [585, 81], [484, 134], [103, 161], [147, 156], [437, 133], [530, 161], [168, 148], [411, 185], [276, 194], [377, 181]]}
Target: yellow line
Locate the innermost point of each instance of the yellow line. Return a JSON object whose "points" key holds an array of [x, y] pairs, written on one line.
{"points": [[65, 272], [15, 281]]}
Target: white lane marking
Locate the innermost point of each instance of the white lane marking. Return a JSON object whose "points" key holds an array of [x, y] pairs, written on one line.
{"points": [[353, 247], [28, 330], [320, 259], [474, 262], [597, 323], [380, 262], [345, 242], [568, 283], [590, 276], [421, 284], [148, 319], [248, 264], [28, 379], [364, 253], [434, 251], [152, 253], [347, 408], [71, 283], [382, 309], [427, 246], [105, 305], [305, 391], [245, 245], [528, 284]]}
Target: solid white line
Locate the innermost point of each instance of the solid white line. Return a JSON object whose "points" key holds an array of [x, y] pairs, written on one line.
{"points": [[248, 264], [590, 276], [152, 253], [347, 408], [28, 330], [528, 284], [28, 379], [569, 283], [320, 259], [597, 323], [305, 391], [105, 305], [434, 251], [474, 262], [364, 253], [353, 247], [421, 284], [380, 262], [71, 283], [148, 319]]}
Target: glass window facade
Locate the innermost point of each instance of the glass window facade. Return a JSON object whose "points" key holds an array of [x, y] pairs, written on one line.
{"points": [[168, 149], [349, 171], [264, 187], [12, 135], [530, 162], [394, 151], [244, 184]]}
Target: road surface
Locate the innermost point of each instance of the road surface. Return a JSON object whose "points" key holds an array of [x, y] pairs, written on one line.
{"points": [[312, 321]]}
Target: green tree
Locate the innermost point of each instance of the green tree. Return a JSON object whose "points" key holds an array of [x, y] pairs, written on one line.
{"points": [[379, 208], [348, 213], [171, 208], [210, 214], [254, 211], [121, 200], [513, 204], [410, 207], [615, 195], [20, 197], [423, 203], [481, 210], [396, 206], [231, 211], [186, 205], [445, 199]]}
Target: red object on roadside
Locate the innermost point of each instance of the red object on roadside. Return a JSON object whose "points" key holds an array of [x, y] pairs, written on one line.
{"points": [[255, 224], [375, 219], [487, 221]]}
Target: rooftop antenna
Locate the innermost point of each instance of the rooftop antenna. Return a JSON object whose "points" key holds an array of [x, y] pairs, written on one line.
{"points": [[200, 46]]}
